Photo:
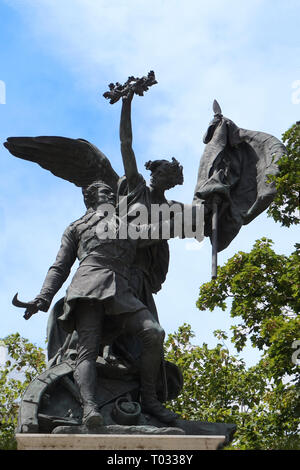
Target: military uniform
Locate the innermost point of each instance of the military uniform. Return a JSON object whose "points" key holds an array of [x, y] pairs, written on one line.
{"points": [[102, 275], [100, 294]]}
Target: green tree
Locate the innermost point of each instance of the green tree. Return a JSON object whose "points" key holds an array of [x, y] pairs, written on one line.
{"points": [[286, 204], [218, 387], [264, 290], [25, 362]]}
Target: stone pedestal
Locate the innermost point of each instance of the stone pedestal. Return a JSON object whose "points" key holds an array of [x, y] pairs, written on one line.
{"points": [[116, 442]]}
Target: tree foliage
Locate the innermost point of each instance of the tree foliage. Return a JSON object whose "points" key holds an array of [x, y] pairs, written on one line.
{"points": [[218, 387], [286, 205], [25, 362], [264, 291]]}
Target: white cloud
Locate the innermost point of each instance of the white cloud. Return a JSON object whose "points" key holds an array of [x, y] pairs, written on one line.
{"points": [[3, 355]]}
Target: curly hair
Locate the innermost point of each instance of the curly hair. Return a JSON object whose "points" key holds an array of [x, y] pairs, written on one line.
{"points": [[173, 169]]}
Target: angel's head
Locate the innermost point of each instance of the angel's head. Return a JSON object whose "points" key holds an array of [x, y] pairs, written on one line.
{"points": [[98, 193], [165, 174]]}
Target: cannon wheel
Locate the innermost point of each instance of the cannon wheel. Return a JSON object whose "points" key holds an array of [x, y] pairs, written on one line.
{"points": [[53, 399]]}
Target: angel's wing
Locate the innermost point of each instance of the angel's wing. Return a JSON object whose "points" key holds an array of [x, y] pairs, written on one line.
{"points": [[75, 160]]}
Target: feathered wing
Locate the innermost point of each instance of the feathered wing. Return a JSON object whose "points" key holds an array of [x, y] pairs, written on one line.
{"points": [[75, 160]]}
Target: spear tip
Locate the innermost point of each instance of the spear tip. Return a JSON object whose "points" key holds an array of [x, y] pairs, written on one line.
{"points": [[216, 107]]}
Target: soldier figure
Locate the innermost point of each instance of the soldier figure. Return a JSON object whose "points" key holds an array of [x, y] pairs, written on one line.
{"points": [[99, 302]]}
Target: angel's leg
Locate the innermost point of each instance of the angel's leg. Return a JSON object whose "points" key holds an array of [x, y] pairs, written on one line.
{"points": [[151, 335]]}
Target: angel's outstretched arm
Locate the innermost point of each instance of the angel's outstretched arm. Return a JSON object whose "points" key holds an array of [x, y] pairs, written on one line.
{"points": [[128, 156]]}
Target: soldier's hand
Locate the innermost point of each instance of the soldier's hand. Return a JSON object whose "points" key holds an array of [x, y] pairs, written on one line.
{"points": [[33, 307]]}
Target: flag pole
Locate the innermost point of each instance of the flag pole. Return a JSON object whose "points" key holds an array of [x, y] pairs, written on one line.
{"points": [[214, 238]]}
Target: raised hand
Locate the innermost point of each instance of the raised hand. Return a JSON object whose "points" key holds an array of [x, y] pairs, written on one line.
{"points": [[133, 85]]}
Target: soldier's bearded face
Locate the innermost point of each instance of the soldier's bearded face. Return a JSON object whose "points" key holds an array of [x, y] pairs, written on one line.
{"points": [[105, 196]]}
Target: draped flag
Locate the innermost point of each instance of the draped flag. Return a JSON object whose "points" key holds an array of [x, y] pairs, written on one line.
{"points": [[233, 178]]}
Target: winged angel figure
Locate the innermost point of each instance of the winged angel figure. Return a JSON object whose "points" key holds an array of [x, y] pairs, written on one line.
{"points": [[109, 300]]}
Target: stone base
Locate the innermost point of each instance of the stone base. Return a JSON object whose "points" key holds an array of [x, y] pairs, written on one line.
{"points": [[116, 429], [116, 442]]}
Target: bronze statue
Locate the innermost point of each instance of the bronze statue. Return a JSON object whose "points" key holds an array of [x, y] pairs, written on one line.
{"points": [[110, 295], [105, 342]]}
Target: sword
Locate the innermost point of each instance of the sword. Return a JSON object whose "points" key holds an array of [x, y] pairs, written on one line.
{"points": [[31, 307]]}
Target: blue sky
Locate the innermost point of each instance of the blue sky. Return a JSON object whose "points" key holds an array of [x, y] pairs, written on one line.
{"points": [[57, 58]]}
